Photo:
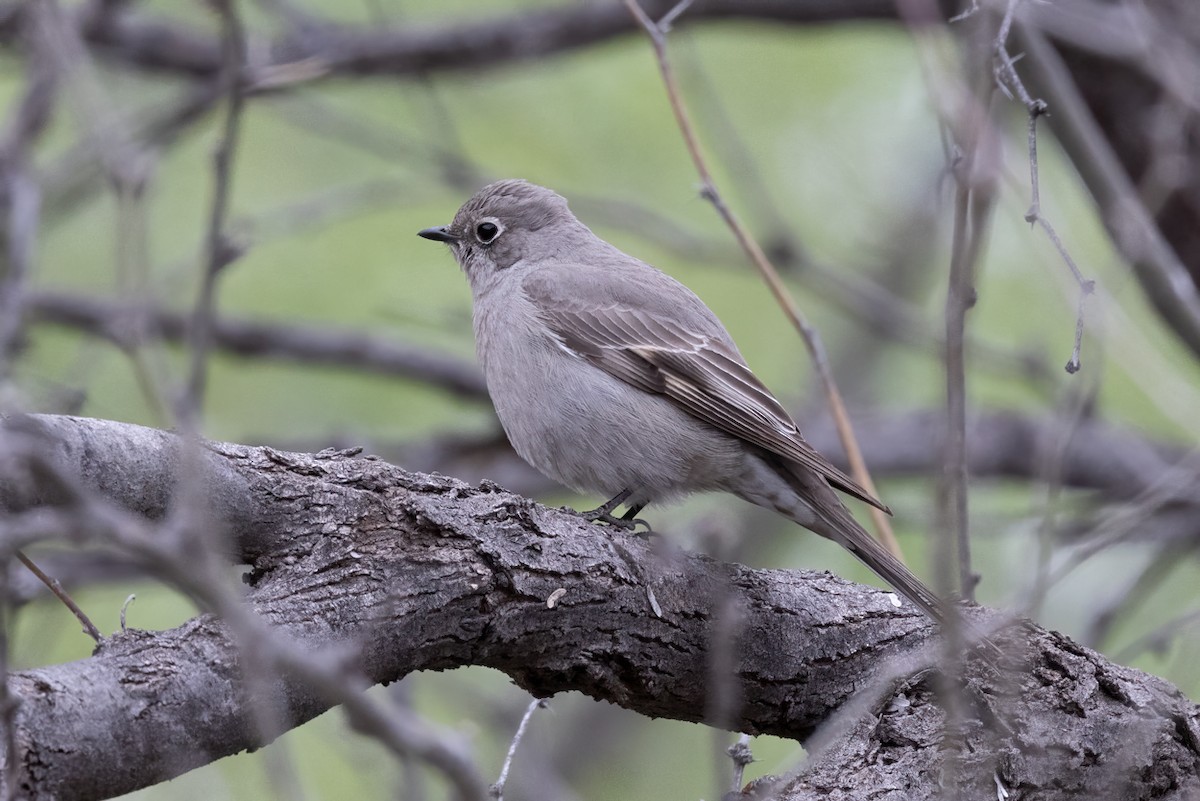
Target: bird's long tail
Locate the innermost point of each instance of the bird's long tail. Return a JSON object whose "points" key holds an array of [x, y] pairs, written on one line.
{"points": [[840, 527], [836, 523]]}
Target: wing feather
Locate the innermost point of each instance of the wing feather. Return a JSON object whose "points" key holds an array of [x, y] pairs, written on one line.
{"points": [[702, 372]]}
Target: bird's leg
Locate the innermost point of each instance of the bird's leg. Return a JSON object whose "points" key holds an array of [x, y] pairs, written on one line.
{"points": [[604, 511], [627, 521], [633, 520]]}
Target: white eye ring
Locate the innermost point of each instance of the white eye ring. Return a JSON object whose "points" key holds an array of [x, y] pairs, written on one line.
{"points": [[488, 230]]}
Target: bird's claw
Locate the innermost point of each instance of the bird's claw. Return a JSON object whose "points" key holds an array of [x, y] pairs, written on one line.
{"points": [[608, 518]]}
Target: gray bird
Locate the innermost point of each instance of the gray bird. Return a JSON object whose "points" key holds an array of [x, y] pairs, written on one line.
{"points": [[611, 377]]}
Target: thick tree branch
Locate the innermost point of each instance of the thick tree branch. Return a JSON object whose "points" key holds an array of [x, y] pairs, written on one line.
{"points": [[1117, 464], [400, 572]]}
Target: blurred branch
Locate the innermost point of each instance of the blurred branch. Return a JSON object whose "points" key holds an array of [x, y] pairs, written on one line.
{"points": [[73, 179], [1108, 156], [219, 251], [975, 200], [1113, 53], [20, 210], [373, 573], [128, 324], [20, 195], [147, 41], [1116, 463], [1009, 82]]}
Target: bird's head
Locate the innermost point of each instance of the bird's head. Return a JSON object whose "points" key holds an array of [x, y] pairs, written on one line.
{"points": [[504, 224]]}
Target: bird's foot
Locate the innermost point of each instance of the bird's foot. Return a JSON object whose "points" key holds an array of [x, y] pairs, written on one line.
{"points": [[603, 513], [598, 516], [627, 522]]}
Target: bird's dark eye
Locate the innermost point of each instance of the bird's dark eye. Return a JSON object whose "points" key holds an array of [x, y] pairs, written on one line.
{"points": [[486, 232]]}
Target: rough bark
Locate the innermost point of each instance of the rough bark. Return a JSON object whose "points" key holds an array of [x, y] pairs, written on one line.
{"points": [[411, 572]]}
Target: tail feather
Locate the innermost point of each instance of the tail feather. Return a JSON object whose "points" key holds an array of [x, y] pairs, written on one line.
{"points": [[840, 527], [836, 523]]}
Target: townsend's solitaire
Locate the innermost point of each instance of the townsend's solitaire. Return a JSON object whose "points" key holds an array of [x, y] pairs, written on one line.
{"points": [[612, 377]]}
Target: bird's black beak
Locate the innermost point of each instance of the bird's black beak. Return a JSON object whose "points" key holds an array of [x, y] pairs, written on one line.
{"points": [[438, 234]]}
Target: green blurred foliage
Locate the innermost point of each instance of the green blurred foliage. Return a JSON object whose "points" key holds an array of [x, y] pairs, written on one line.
{"points": [[839, 122]]}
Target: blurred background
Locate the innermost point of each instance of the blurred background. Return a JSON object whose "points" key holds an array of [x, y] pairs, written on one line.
{"points": [[336, 326]]}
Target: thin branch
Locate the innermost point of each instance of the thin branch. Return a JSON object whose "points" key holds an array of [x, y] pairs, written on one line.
{"points": [[1164, 278], [126, 325], [953, 481], [9, 703], [974, 198], [1009, 81], [497, 790], [812, 340], [73, 179], [20, 194], [219, 252], [52, 584]]}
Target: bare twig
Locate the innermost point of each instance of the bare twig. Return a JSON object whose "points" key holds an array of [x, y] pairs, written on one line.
{"points": [[1009, 81], [1158, 267], [219, 252], [953, 486], [89, 628], [962, 104], [812, 340], [74, 178], [129, 599], [496, 791]]}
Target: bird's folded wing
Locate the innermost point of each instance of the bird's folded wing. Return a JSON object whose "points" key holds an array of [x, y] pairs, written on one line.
{"points": [[701, 373]]}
